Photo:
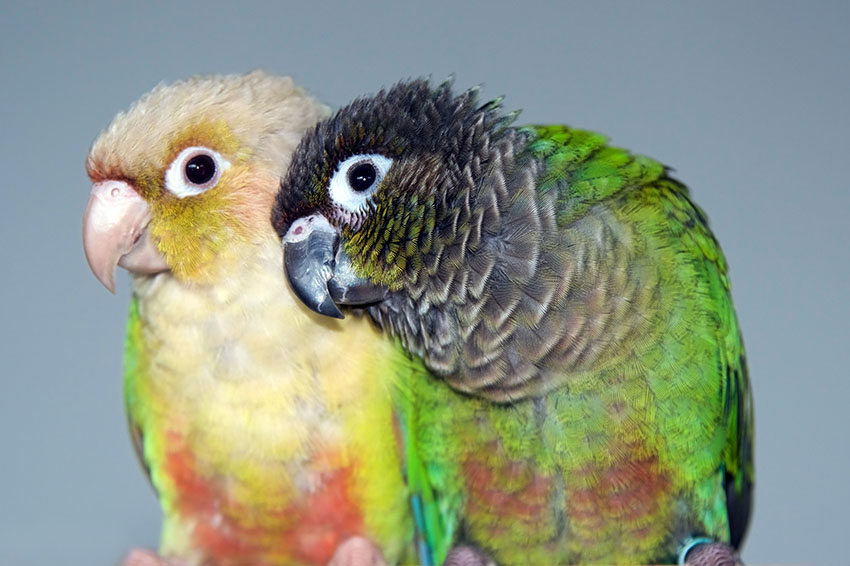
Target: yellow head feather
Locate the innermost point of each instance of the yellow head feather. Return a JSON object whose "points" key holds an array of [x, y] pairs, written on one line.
{"points": [[254, 121]]}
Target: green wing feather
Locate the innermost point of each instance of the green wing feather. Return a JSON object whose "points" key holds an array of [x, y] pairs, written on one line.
{"points": [[436, 509], [586, 172], [132, 352]]}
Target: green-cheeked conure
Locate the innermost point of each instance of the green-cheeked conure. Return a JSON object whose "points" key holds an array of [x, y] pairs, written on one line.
{"points": [[268, 432], [590, 401]]}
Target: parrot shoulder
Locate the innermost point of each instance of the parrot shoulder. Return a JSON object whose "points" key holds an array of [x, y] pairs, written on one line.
{"points": [[583, 169]]}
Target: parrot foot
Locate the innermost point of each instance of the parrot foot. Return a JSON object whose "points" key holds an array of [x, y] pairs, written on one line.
{"points": [[142, 557], [465, 555], [357, 551], [712, 554]]}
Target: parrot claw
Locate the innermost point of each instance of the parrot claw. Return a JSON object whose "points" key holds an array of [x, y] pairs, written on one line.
{"points": [[711, 553], [465, 555], [357, 551]]}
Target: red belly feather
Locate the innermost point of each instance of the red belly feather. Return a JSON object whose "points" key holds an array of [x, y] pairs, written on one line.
{"points": [[303, 530]]}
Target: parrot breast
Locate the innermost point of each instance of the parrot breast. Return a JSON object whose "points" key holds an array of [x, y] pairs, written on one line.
{"points": [[280, 444], [307, 529]]}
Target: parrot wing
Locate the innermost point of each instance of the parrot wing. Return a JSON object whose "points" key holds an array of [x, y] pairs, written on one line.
{"points": [[737, 465], [132, 346]]}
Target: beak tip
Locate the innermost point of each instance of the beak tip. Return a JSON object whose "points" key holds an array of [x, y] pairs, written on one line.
{"points": [[312, 294], [107, 280], [331, 310], [101, 267]]}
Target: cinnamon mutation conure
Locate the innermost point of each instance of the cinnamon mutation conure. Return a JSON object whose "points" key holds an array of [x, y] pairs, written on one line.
{"points": [[268, 432]]}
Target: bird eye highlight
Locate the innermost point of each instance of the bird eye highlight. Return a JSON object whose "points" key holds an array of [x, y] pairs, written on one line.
{"points": [[195, 170], [356, 179], [362, 176]]}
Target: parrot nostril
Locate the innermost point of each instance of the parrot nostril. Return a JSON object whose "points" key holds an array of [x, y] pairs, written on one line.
{"points": [[115, 191]]}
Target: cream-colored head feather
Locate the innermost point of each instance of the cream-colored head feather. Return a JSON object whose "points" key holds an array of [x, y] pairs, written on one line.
{"points": [[254, 121], [265, 112]]}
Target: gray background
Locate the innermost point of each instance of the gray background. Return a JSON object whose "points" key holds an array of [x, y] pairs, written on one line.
{"points": [[748, 101]]}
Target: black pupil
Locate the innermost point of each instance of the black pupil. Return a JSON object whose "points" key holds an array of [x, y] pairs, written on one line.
{"points": [[361, 176], [200, 169]]}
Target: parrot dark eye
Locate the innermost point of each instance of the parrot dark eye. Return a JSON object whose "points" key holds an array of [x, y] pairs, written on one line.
{"points": [[195, 170], [200, 169], [356, 179], [361, 176]]}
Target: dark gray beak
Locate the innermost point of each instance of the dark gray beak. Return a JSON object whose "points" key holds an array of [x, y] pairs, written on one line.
{"points": [[319, 270]]}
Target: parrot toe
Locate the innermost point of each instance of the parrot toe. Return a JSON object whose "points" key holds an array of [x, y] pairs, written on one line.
{"points": [[712, 554], [143, 557], [357, 551], [467, 556]]}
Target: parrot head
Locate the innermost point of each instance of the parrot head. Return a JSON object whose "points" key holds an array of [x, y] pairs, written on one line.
{"points": [[372, 198], [190, 170]]}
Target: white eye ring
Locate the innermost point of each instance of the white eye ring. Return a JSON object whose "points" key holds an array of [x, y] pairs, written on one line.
{"points": [[344, 193], [189, 174]]}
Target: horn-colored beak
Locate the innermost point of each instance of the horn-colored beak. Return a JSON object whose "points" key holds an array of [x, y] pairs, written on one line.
{"points": [[115, 233]]}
